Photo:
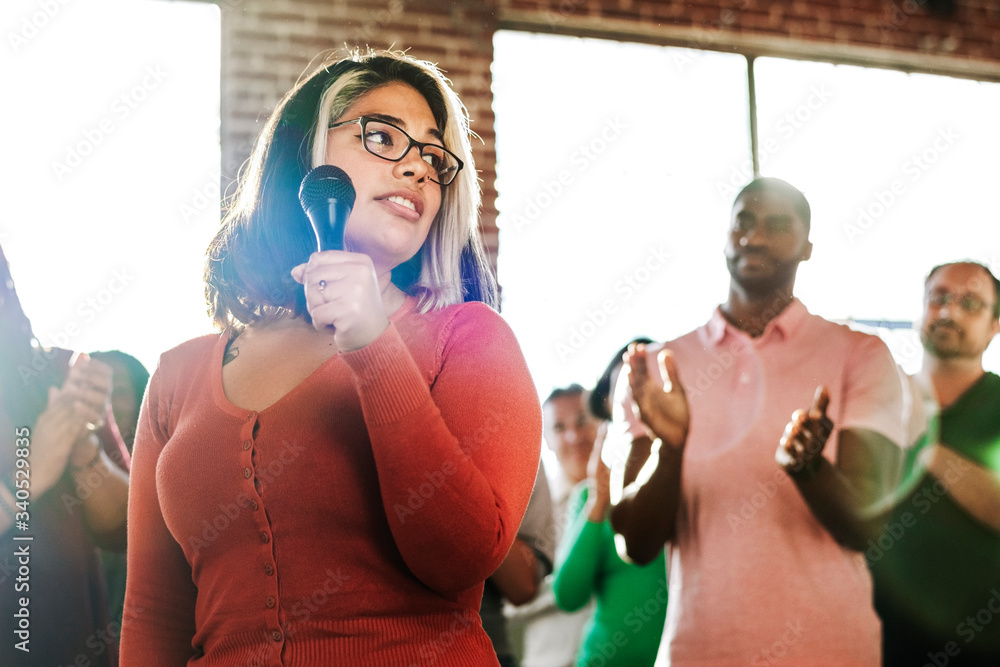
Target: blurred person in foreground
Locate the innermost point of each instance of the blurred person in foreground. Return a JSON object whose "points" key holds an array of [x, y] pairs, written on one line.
{"points": [[128, 385], [519, 578], [937, 564], [767, 528], [549, 636], [332, 479], [63, 493], [630, 599]]}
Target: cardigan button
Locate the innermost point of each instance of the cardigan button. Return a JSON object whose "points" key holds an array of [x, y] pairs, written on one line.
{"points": [[269, 569], [247, 473], [264, 537], [246, 445], [276, 635], [270, 601]]}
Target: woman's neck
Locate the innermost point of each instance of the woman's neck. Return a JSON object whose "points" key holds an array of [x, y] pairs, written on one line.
{"points": [[392, 297]]}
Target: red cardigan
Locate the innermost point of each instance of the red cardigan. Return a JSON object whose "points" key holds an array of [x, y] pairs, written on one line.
{"points": [[353, 522]]}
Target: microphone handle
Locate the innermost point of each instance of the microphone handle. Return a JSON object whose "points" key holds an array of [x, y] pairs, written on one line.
{"points": [[329, 225]]}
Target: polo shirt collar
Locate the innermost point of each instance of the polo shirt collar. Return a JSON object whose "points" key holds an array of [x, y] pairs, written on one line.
{"points": [[784, 325]]}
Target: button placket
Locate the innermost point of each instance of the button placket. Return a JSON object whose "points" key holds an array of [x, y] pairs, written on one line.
{"points": [[247, 452], [247, 455]]}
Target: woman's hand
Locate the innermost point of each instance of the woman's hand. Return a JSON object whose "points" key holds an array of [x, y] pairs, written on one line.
{"points": [[600, 479], [343, 297], [72, 413], [90, 382]]}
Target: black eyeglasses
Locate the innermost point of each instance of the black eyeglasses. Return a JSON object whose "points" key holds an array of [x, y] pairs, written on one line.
{"points": [[388, 142]]}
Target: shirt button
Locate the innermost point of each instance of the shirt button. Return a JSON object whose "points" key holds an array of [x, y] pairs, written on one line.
{"points": [[246, 445], [276, 635], [269, 569], [270, 601], [247, 473], [264, 537]]}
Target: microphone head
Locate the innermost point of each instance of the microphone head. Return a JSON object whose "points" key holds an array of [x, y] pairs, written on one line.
{"points": [[324, 183]]}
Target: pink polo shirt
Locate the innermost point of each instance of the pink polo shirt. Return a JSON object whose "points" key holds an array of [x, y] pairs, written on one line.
{"points": [[755, 579]]}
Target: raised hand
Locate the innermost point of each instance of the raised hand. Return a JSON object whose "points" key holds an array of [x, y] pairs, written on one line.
{"points": [[663, 406], [90, 382], [343, 297], [801, 446], [600, 479], [65, 421]]}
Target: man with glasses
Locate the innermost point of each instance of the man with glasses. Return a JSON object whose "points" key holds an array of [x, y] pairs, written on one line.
{"points": [[937, 565], [767, 527]]}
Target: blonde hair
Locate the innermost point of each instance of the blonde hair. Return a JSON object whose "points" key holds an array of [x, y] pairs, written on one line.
{"points": [[265, 233]]}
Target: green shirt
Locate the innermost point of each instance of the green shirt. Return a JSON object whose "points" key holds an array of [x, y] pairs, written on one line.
{"points": [[631, 599], [935, 567]]}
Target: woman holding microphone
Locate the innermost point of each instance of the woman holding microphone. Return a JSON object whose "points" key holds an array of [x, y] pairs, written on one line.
{"points": [[331, 479]]}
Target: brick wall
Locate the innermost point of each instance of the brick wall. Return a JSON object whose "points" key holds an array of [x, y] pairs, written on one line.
{"points": [[267, 44]]}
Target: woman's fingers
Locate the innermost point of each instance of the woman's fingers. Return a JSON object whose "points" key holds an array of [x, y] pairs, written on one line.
{"points": [[636, 367], [668, 371], [343, 296], [89, 381]]}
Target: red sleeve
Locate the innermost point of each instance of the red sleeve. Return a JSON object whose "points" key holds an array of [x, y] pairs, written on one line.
{"points": [[158, 623], [457, 460]]}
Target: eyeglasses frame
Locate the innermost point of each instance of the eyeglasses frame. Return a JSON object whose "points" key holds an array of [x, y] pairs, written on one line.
{"points": [[363, 122], [940, 299]]}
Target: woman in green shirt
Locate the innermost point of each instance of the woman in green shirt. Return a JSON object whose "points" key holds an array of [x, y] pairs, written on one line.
{"points": [[631, 599]]}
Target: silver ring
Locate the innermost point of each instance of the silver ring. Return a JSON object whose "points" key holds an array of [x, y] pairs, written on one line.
{"points": [[322, 285]]}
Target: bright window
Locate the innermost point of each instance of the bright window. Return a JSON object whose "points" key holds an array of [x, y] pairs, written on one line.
{"points": [[899, 169], [617, 164], [610, 225], [111, 165]]}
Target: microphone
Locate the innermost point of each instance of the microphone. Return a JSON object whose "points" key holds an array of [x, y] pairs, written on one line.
{"points": [[327, 196]]}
